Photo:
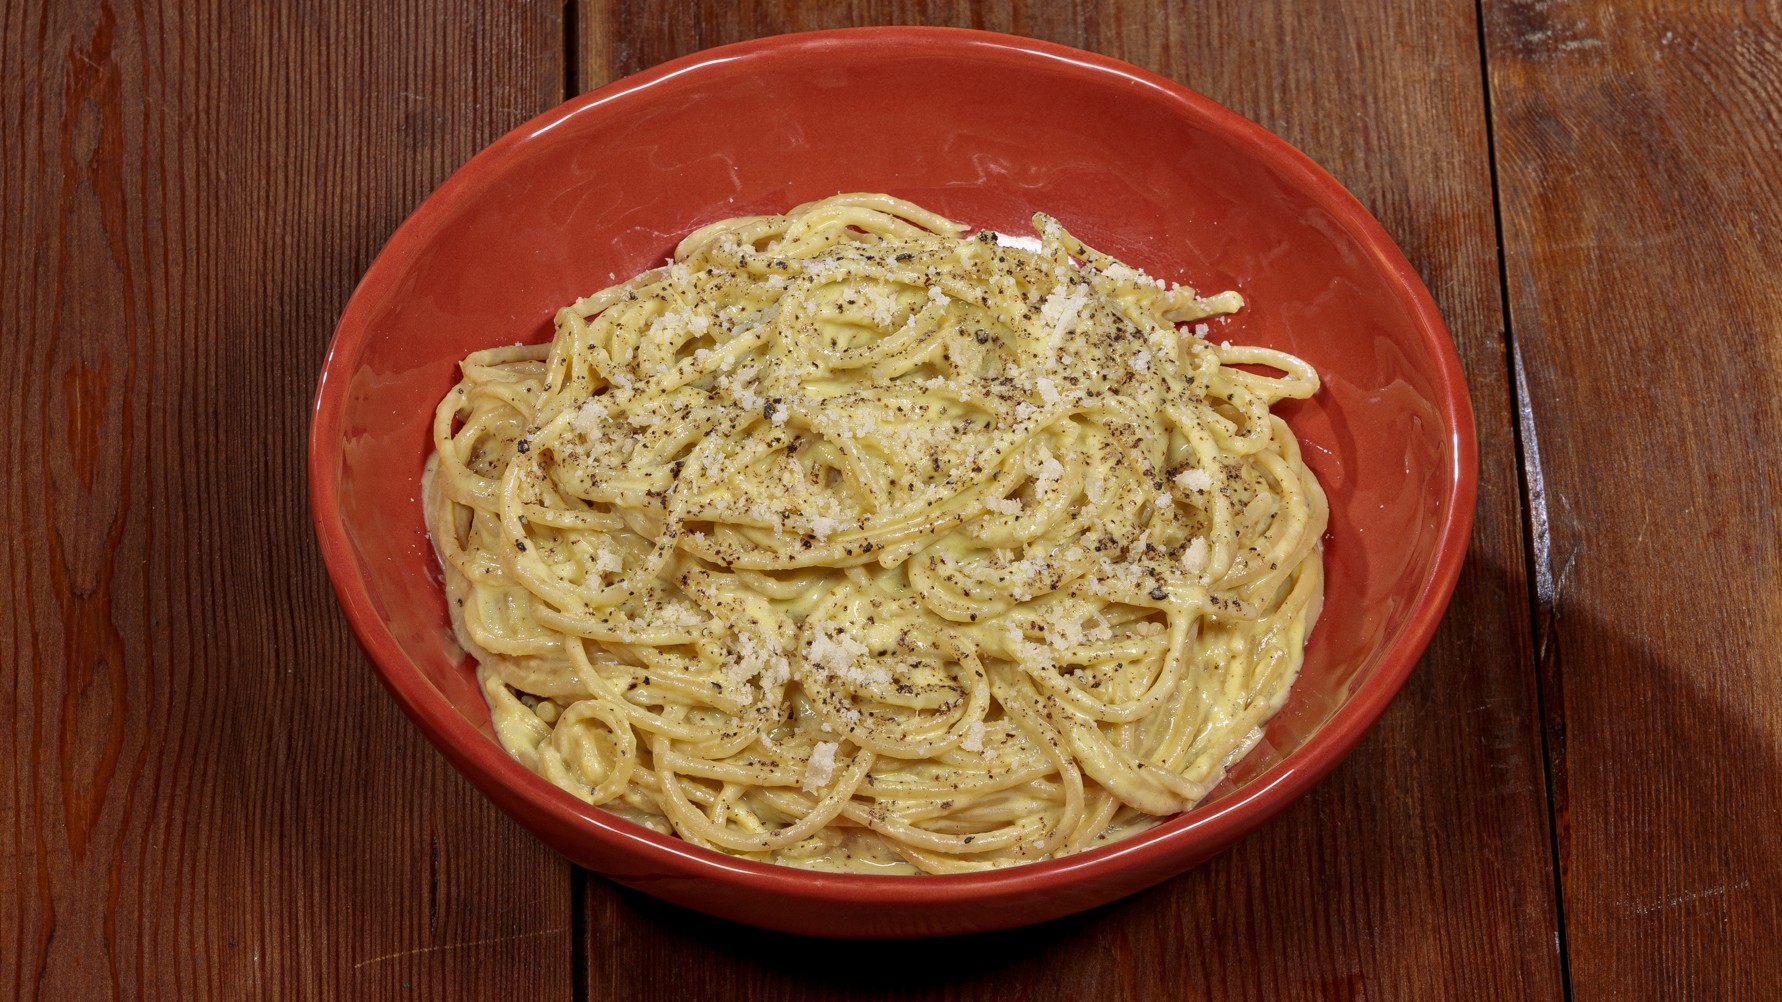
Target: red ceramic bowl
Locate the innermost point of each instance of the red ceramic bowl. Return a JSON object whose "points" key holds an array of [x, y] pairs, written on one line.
{"points": [[984, 128]]}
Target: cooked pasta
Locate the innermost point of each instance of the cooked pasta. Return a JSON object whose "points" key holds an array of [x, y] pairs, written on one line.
{"points": [[847, 540]]}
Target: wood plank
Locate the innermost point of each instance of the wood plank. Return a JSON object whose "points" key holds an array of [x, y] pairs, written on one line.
{"points": [[1642, 198], [1422, 867], [207, 794]]}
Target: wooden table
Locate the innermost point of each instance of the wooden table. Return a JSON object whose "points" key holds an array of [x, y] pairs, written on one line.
{"points": [[208, 796]]}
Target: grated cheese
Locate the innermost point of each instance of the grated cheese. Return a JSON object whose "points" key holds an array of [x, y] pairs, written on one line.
{"points": [[1195, 557], [974, 737], [821, 767], [1196, 480]]}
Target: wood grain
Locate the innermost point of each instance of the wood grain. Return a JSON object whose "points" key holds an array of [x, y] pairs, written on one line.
{"points": [[207, 795], [1421, 868], [1642, 202]]}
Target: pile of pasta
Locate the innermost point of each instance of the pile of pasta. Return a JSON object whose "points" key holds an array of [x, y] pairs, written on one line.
{"points": [[850, 540]]}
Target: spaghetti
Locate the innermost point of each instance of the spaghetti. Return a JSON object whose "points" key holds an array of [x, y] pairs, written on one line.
{"points": [[845, 540]]}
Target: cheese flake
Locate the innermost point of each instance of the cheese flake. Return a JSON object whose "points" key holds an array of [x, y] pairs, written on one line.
{"points": [[973, 741], [1195, 557], [820, 769], [1196, 480]]}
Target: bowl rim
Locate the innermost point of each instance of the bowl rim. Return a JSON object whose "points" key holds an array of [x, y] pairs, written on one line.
{"points": [[1166, 848]]}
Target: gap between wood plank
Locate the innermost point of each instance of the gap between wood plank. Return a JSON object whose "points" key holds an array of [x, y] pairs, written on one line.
{"points": [[571, 44], [1536, 528], [578, 933]]}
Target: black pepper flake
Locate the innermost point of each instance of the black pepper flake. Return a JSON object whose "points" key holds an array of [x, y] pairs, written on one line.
{"points": [[767, 410], [982, 336], [521, 543], [523, 445], [905, 256], [1159, 594]]}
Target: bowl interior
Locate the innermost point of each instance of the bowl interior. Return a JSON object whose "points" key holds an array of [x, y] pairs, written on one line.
{"points": [[985, 130]]}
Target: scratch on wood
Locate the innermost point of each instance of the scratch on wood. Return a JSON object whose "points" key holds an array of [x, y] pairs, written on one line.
{"points": [[1537, 485], [1689, 897], [1541, 29], [417, 951], [1548, 585], [1565, 571], [1550, 605]]}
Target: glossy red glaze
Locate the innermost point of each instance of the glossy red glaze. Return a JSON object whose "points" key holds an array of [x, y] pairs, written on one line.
{"points": [[984, 128]]}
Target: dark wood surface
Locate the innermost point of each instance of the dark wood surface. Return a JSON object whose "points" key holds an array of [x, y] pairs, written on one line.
{"points": [[1638, 174], [208, 796]]}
